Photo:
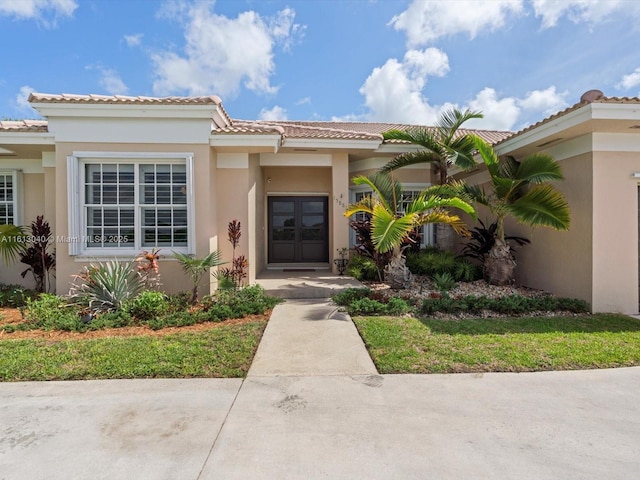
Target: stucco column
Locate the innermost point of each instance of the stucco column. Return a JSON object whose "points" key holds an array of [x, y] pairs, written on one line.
{"points": [[338, 203]]}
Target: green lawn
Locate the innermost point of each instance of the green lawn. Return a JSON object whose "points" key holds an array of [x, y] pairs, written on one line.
{"points": [[409, 345], [225, 351]]}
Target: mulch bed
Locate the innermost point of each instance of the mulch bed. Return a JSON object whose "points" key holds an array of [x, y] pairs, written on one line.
{"points": [[12, 315]]}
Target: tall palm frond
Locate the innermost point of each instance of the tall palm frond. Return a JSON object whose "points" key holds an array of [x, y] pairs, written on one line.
{"points": [[12, 242]]}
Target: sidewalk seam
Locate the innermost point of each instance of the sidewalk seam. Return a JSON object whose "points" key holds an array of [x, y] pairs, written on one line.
{"points": [[224, 422]]}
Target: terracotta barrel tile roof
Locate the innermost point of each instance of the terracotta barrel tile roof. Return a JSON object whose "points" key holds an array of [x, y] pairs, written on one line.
{"points": [[122, 99], [23, 126]]}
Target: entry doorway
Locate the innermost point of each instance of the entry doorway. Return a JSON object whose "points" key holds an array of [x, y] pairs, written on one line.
{"points": [[298, 229]]}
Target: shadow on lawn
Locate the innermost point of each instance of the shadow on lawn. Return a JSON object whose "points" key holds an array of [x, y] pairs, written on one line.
{"points": [[613, 323]]}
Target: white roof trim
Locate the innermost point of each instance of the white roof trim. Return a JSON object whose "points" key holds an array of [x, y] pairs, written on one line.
{"points": [[27, 138], [222, 140], [127, 110], [331, 143]]}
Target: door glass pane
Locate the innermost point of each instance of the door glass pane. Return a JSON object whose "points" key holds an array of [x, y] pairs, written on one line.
{"points": [[284, 221], [312, 220], [283, 207], [312, 234], [286, 234], [312, 207]]}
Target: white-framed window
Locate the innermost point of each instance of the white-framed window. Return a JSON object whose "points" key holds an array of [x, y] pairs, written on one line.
{"points": [[9, 189], [409, 192], [128, 202]]}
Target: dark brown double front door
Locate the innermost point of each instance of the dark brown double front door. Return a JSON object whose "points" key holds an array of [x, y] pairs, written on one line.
{"points": [[298, 230]]}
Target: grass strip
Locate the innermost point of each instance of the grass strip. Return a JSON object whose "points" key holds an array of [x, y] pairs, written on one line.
{"points": [[225, 351], [410, 345]]}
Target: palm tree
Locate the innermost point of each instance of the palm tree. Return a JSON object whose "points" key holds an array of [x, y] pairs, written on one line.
{"points": [[443, 146], [519, 189], [12, 242], [195, 268], [390, 226]]}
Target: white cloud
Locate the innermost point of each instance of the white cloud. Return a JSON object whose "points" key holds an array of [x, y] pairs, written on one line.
{"points": [[581, 11], [275, 113], [505, 113], [222, 53], [393, 92], [630, 80], [133, 40], [38, 9], [426, 21], [22, 100], [110, 80], [304, 101]]}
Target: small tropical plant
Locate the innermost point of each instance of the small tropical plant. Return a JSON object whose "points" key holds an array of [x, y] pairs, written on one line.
{"points": [[238, 271], [107, 286], [39, 254], [483, 239], [519, 189], [149, 268], [196, 268], [390, 226]]}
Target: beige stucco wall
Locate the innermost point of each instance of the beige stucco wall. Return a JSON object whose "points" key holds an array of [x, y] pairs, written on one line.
{"points": [[615, 232], [256, 231], [33, 204], [402, 175], [297, 180], [172, 277], [338, 202], [561, 262]]}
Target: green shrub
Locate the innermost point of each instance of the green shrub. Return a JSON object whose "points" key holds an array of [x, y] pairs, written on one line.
{"points": [[350, 295], [398, 306], [444, 281], [115, 319], [510, 305], [14, 296], [148, 304], [366, 306], [362, 268], [108, 286], [431, 262], [51, 312]]}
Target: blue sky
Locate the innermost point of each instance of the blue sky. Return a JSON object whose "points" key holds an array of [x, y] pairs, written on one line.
{"points": [[403, 61]]}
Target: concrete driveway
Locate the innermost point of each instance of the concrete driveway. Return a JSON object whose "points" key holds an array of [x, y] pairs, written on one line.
{"points": [[552, 425]]}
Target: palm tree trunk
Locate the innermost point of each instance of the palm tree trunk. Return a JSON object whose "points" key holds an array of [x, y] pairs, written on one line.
{"points": [[444, 237], [499, 264], [396, 274]]}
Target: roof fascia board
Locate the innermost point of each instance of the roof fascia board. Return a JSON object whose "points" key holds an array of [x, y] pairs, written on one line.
{"points": [[127, 110], [27, 138], [616, 111], [398, 148], [348, 144], [270, 141], [546, 130]]}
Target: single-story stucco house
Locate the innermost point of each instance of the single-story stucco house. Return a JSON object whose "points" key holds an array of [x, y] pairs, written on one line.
{"points": [[115, 175]]}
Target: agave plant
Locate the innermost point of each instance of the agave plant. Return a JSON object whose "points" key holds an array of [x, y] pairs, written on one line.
{"points": [[107, 286]]}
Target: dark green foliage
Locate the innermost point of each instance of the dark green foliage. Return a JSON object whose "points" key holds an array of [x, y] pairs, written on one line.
{"points": [[116, 319], [444, 281], [483, 239], [362, 268], [147, 305], [350, 295], [14, 296], [510, 305], [50, 312], [431, 262], [368, 306]]}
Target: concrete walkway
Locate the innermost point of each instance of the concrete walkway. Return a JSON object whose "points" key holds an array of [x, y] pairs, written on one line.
{"points": [[313, 407], [311, 337]]}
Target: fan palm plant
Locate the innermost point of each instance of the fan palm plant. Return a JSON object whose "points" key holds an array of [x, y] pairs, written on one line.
{"points": [[390, 226], [195, 268], [12, 242], [442, 146], [519, 189]]}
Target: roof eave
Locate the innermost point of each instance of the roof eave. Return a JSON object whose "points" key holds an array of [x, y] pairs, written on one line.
{"points": [[235, 140]]}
